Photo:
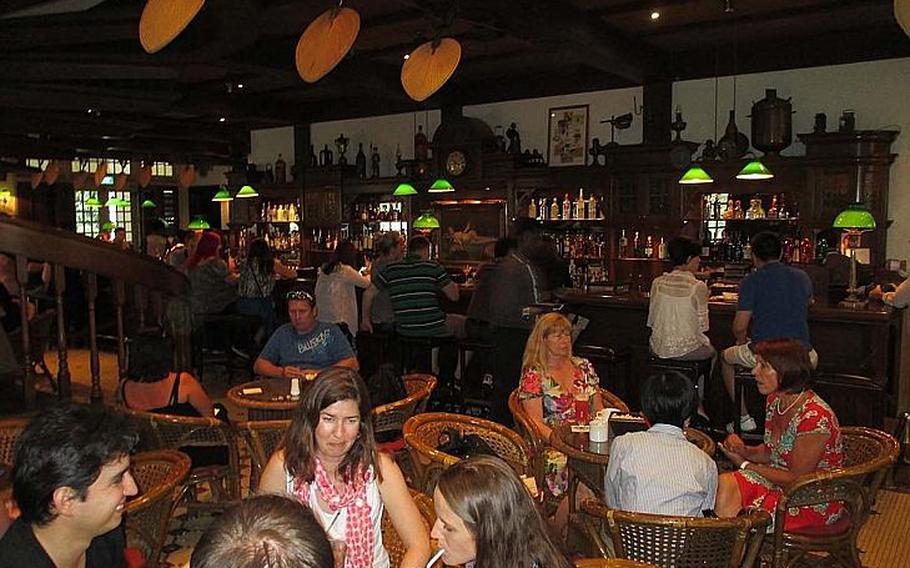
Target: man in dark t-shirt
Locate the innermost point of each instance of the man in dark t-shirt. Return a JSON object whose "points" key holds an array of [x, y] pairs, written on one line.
{"points": [[71, 481], [775, 300]]}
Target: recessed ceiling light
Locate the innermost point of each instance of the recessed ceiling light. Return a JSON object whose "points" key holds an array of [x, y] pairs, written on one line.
{"points": [[655, 15], [239, 85], [222, 119], [407, 56]]}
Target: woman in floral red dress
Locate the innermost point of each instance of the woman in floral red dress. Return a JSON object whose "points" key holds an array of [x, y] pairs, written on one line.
{"points": [[802, 436], [550, 379]]}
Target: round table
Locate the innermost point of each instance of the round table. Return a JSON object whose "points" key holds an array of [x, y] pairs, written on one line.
{"points": [[587, 461], [266, 398]]}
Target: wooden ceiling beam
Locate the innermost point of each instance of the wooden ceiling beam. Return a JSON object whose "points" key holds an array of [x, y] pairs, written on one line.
{"points": [[16, 70]]}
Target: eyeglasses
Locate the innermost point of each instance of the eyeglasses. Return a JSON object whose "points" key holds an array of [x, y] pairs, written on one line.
{"points": [[300, 295]]}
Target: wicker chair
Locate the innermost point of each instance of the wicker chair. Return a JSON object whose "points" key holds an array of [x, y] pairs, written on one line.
{"points": [[392, 416], [701, 440], [160, 476], [169, 432], [390, 538], [421, 434], [611, 563], [869, 453], [10, 428], [261, 438], [678, 542]]}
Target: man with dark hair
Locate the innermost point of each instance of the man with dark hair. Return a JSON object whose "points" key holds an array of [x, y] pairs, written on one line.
{"points": [[775, 299], [264, 531], [658, 471], [414, 285], [71, 480], [516, 283]]}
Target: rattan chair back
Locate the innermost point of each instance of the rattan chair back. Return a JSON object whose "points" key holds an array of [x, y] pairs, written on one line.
{"points": [[610, 563], [390, 538], [680, 542], [160, 476], [168, 431], [10, 429], [868, 454], [701, 440], [262, 437], [422, 434], [392, 416]]}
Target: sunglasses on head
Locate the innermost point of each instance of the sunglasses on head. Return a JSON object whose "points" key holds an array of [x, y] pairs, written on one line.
{"points": [[300, 295]]}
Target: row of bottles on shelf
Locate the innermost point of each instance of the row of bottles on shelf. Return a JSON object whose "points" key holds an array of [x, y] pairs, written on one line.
{"points": [[278, 241], [583, 273], [778, 209], [579, 245], [642, 246], [280, 212], [377, 212], [579, 209], [735, 248]]}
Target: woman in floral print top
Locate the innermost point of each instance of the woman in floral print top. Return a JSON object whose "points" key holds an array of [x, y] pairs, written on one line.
{"points": [[550, 379], [802, 436]]}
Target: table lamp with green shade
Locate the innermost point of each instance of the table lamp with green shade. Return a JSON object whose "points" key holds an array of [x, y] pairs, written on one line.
{"points": [[855, 220]]}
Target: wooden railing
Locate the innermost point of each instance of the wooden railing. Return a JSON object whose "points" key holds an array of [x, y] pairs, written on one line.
{"points": [[149, 278]]}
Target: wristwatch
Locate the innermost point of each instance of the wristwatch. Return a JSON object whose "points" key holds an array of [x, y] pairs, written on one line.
{"points": [[744, 464]]}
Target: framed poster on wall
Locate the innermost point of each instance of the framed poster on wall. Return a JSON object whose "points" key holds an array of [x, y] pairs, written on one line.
{"points": [[567, 136]]}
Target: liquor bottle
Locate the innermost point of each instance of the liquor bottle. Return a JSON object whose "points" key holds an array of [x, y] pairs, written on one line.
{"points": [[532, 209], [314, 161], [772, 211], [806, 254], [706, 244], [738, 212], [649, 247], [421, 145], [663, 251], [554, 210], [293, 213], [566, 208], [787, 250], [580, 205], [281, 170], [360, 162], [543, 211], [729, 212], [623, 244], [636, 246], [747, 251]]}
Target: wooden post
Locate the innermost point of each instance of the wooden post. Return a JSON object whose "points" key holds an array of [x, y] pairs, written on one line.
{"points": [[119, 301], [91, 294], [28, 376], [64, 383]]}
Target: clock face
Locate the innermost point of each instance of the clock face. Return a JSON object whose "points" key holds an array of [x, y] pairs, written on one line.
{"points": [[456, 162]]}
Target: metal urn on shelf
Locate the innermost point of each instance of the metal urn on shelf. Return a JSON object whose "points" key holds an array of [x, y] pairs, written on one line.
{"points": [[772, 123]]}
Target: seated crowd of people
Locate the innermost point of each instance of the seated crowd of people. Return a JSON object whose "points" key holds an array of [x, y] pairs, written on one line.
{"points": [[323, 492]]}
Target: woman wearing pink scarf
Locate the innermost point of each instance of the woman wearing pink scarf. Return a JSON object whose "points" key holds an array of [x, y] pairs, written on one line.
{"points": [[329, 461]]}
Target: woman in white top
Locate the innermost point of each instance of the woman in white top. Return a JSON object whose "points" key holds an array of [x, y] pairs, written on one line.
{"points": [[336, 296], [678, 310], [328, 460]]}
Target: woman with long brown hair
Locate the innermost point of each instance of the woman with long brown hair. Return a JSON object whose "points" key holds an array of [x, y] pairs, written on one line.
{"points": [[329, 461], [486, 518]]}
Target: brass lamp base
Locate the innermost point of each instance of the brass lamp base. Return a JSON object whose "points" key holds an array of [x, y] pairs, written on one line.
{"points": [[853, 301]]}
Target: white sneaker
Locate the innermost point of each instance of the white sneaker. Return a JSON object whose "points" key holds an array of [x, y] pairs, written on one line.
{"points": [[746, 424]]}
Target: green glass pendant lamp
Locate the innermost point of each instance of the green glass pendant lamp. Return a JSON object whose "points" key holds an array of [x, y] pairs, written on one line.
{"points": [[426, 221], [223, 195], [755, 171], [695, 175], [404, 190], [441, 185], [198, 224], [855, 217], [247, 191], [148, 204]]}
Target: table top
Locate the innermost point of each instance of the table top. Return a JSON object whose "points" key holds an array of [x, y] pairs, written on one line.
{"points": [[273, 394], [577, 445]]}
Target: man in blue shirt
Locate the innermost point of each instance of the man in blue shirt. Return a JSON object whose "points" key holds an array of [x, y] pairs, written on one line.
{"points": [[304, 344], [775, 299]]}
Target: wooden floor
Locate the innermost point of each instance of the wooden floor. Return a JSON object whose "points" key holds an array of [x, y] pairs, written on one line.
{"points": [[885, 540]]}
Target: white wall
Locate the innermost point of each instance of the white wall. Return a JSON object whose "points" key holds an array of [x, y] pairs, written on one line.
{"points": [[266, 144], [874, 90]]}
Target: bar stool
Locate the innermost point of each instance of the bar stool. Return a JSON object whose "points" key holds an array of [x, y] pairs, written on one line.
{"points": [[692, 369], [421, 348], [476, 346], [609, 357], [741, 377]]}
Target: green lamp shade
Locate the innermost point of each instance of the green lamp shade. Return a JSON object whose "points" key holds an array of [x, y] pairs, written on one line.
{"points": [[107, 226], [148, 204], [855, 216], [117, 202], [404, 189], [247, 191], [754, 170], [695, 176], [198, 224], [441, 185], [224, 195], [5, 192], [426, 221], [93, 203]]}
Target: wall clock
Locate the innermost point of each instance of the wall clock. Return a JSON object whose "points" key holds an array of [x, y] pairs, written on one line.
{"points": [[456, 163]]}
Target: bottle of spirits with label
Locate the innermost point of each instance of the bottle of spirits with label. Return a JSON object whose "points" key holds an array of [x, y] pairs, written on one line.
{"points": [[623, 244], [532, 209], [649, 247], [772, 211], [566, 208], [662, 250], [580, 205], [554, 210], [637, 250]]}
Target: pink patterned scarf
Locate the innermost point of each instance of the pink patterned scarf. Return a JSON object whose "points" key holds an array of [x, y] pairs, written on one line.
{"points": [[358, 536]]}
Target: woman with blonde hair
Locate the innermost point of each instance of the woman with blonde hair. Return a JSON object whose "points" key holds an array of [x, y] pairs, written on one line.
{"points": [[551, 378], [486, 518]]}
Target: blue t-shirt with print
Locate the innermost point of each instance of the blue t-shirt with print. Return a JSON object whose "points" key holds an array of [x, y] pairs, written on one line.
{"points": [[321, 347], [778, 296]]}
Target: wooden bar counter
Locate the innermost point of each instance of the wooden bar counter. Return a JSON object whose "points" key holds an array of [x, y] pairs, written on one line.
{"points": [[861, 373]]}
